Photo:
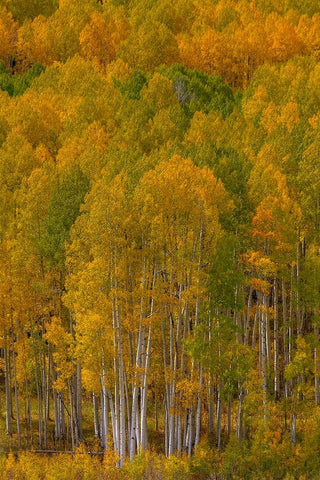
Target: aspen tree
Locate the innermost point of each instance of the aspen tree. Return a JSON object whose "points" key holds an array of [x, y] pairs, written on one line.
{"points": [[166, 208], [8, 33]]}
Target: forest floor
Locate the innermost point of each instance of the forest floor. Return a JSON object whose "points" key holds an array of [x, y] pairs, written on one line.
{"points": [[56, 461]]}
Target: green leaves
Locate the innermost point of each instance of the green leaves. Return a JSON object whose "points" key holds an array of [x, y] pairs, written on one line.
{"points": [[132, 87], [23, 10], [64, 208], [197, 91], [16, 85], [226, 276]]}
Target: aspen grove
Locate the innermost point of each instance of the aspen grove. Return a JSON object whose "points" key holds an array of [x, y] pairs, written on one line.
{"points": [[160, 237]]}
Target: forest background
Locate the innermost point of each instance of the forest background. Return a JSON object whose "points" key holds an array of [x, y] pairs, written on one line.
{"points": [[159, 238]]}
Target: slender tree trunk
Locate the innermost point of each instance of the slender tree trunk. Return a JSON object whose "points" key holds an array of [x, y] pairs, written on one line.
{"points": [[96, 425], [167, 394], [39, 398], [263, 325], [7, 377], [103, 412], [135, 391], [275, 342], [293, 428], [210, 388], [57, 435], [122, 406], [190, 432], [128, 407], [113, 420], [16, 394], [62, 426], [219, 417], [144, 396], [29, 420], [229, 418], [102, 429], [239, 416], [116, 423], [247, 319], [43, 387], [254, 330], [78, 402], [198, 415], [166, 423], [171, 387], [71, 416], [210, 407], [184, 434], [179, 432], [73, 393], [76, 395], [316, 369], [285, 333]]}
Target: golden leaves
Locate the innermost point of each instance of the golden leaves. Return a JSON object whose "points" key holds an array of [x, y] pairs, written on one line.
{"points": [[8, 35], [102, 36]]}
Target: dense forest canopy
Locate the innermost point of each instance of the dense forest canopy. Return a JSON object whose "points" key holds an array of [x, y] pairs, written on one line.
{"points": [[160, 235]]}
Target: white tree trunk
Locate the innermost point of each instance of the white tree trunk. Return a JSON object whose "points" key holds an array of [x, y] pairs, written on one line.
{"points": [[144, 397], [198, 415]]}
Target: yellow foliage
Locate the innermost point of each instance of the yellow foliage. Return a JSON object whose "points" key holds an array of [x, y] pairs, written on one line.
{"points": [[269, 118], [110, 463], [8, 35], [176, 468], [289, 115], [102, 36]]}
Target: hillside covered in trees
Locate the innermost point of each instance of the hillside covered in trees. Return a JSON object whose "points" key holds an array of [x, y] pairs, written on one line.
{"points": [[160, 238]]}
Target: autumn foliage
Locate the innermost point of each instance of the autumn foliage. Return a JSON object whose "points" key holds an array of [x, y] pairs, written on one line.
{"points": [[159, 239]]}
